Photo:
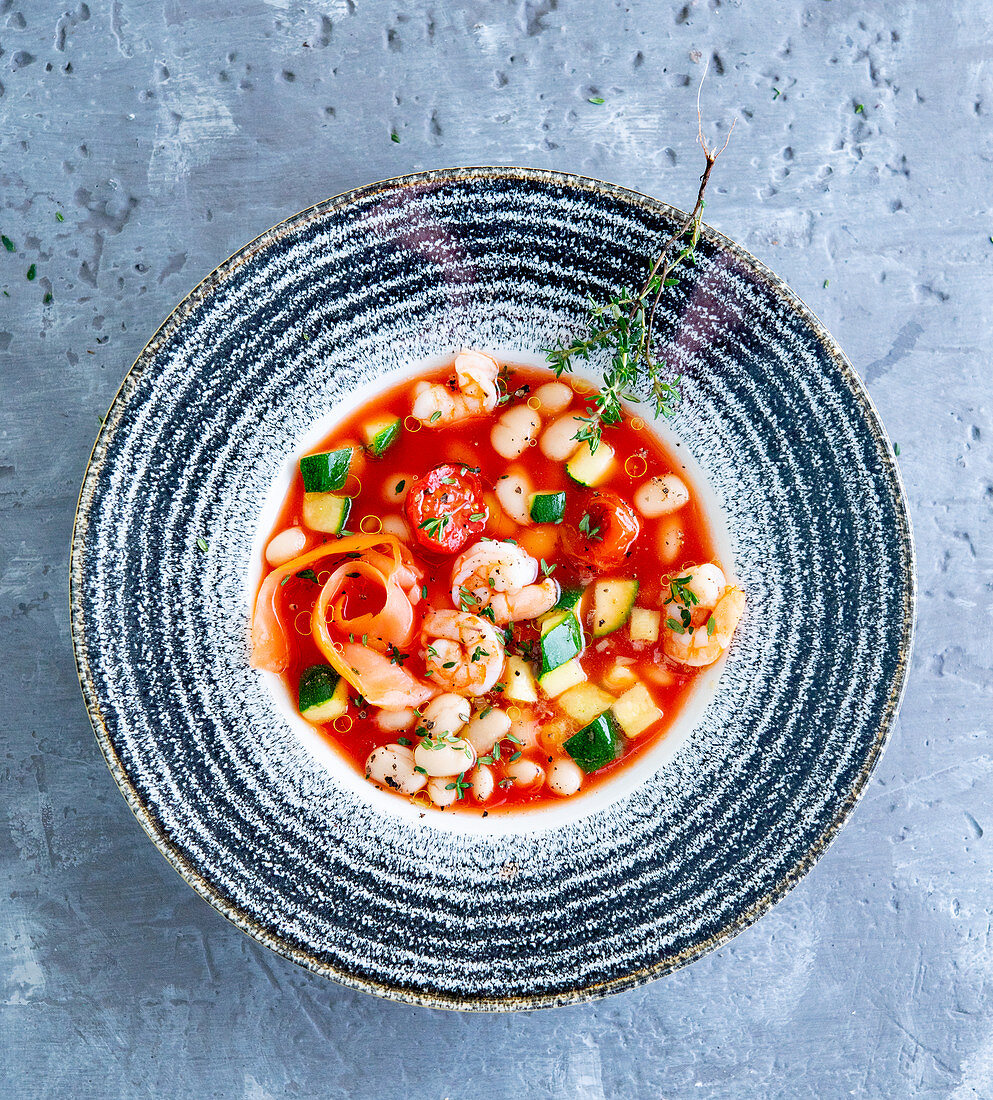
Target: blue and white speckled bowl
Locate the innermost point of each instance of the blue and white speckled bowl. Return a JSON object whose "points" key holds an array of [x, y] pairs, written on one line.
{"points": [[526, 912]]}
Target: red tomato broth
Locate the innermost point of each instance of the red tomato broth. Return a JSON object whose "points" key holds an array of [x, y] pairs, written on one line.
{"points": [[468, 442]]}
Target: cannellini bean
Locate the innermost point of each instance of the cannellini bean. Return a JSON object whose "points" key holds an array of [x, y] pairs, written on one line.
{"points": [[558, 440], [392, 720], [565, 777], [512, 433], [707, 582], [483, 783], [661, 495], [286, 546], [512, 492], [448, 757], [395, 488], [554, 397], [393, 766], [438, 793], [525, 773], [671, 537], [398, 526], [446, 713], [485, 730], [659, 674]]}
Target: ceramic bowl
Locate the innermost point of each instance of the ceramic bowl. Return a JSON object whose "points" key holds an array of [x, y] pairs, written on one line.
{"points": [[265, 821]]}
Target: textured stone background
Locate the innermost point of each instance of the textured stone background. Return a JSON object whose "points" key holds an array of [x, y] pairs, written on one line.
{"points": [[168, 134]]}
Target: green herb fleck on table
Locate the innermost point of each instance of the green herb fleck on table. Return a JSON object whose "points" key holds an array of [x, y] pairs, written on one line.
{"points": [[826, 281], [596, 99], [58, 216], [394, 136], [7, 243], [896, 449], [859, 108], [776, 93], [202, 544], [32, 271]]}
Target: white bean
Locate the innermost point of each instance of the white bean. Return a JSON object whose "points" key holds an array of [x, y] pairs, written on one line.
{"points": [[671, 537], [446, 713], [437, 792], [565, 777], [512, 433], [525, 773], [554, 397], [448, 757], [707, 582], [393, 720], [661, 495], [558, 440], [393, 766], [512, 492], [395, 488], [484, 731], [286, 546], [396, 525], [483, 783]]}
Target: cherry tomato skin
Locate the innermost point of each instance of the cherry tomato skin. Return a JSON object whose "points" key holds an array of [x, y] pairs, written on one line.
{"points": [[446, 508], [614, 522]]}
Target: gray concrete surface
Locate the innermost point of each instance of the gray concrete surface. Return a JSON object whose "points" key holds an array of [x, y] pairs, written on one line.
{"points": [[167, 134]]}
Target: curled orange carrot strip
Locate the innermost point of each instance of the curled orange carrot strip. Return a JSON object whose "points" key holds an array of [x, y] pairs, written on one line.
{"points": [[270, 647]]}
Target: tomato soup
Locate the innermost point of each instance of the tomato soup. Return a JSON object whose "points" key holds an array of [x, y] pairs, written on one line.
{"points": [[482, 607]]}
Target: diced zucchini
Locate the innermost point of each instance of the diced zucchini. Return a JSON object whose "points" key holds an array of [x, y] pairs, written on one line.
{"points": [[591, 467], [584, 702], [559, 679], [322, 694], [569, 600], [546, 507], [381, 433], [644, 624], [561, 642], [597, 744], [520, 681], [326, 512], [619, 677], [326, 472], [635, 711], [612, 603]]}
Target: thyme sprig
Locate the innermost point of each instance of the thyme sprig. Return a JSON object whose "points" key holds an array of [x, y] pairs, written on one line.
{"points": [[625, 326]]}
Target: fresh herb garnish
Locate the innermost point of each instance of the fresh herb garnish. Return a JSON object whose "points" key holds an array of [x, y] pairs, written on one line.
{"points": [[436, 415], [680, 593], [202, 544], [624, 326], [476, 517], [459, 786], [711, 627], [433, 526], [424, 591], [396, 657], [592, 533], [405, 741], [398, 488], [548, 570]]}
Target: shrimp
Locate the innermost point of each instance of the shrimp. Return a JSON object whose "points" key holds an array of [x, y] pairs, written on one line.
{"points": [[464, 652], [437, 406], [500, 576], [714, 608]]}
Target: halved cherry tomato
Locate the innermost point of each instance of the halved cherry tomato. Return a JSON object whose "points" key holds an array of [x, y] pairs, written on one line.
{"points": [[446, 508], [600, 529]]}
